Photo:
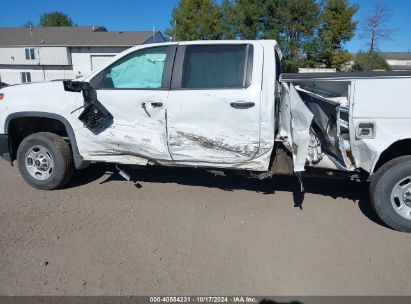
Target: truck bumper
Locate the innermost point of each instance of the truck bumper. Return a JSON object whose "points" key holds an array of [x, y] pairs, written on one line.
{"points": [[5, 149]]}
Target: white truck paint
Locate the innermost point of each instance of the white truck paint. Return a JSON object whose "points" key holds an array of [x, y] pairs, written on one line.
{"points": [[346, 123]]}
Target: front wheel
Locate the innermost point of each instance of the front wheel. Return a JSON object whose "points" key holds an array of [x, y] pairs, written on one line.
{"points": [[45, 161], [390, 193]]}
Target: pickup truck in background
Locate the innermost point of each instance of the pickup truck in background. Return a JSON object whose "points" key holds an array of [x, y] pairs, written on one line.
{"points": [[219, 105]]}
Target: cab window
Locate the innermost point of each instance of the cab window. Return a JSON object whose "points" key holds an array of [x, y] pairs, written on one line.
{"points": [[214, 66], [142, 69]]}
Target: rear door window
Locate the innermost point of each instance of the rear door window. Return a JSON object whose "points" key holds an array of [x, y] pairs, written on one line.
{"points": [[215, 66]]}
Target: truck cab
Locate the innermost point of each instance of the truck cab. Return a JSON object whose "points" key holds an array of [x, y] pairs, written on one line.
{"points": [[194, 103]]}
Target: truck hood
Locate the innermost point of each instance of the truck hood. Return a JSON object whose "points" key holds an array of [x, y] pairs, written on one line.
{"points": [[33, 86], [35, 91], [40, 96]]}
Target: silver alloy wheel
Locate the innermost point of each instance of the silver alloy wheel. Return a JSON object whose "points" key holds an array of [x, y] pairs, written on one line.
{"points": [[39, 163], [401, 197]]}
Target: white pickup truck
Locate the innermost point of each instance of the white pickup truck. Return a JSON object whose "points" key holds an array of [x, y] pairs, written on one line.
{"points": [[219, 105]]}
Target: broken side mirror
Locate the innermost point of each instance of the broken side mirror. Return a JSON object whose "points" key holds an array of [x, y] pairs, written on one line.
{"points": [[94, 116]]}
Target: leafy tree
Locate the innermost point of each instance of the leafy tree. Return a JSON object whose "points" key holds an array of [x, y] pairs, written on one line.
{"points": [[251, 18], [272, 19], [55, 19], [299, 20], [311, 33], [195, 19], [336, 28], [230, 19], [365, 61]]}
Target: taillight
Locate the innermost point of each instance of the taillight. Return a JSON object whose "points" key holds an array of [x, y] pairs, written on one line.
{"points": [[1, 96]]}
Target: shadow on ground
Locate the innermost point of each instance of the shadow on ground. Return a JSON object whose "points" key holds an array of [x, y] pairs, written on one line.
{"points": [[334, 188]]}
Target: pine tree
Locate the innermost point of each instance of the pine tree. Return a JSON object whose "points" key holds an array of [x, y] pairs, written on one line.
{"points": [[299, 20], [336, 28], [195, 19]]}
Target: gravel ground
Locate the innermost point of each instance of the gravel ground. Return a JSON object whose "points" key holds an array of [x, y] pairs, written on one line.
{"points": [[187, 232]]}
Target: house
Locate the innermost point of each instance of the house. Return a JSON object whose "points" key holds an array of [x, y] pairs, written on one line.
{"points": [[399, 61], [49, 53]]}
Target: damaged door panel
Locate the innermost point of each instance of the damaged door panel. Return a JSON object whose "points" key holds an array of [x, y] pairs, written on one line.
{"points": [[214, 104], [134, 91]]}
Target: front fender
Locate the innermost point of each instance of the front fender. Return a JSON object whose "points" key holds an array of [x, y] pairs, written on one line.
{"points": [[78, 159]]}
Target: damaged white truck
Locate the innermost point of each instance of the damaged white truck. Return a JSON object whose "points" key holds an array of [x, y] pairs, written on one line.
{"points": [[219, 105]]}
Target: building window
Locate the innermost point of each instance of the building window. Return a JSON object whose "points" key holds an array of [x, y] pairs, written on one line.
{"points": [[30, 54], [25, 77]]}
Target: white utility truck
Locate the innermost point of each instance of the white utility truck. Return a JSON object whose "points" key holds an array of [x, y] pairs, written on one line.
{"points": [[219, 105]]}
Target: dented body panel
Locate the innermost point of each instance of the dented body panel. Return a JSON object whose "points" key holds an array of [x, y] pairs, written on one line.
{"points": [[378, 103], [204, 125], [137, 129]]}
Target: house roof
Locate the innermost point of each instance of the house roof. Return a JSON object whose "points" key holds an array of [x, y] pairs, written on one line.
{"points": [[72, 36], [396, 55]]}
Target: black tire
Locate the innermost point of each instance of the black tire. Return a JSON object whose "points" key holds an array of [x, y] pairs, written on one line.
{"points": [[60, 154], [381, 187]]}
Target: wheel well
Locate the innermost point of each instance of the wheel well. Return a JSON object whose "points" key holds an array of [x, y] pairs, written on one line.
{"points": [[397, 149], [21, 127]]}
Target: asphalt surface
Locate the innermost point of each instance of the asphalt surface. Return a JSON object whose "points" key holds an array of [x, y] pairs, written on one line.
{"points": [[187, 232]]}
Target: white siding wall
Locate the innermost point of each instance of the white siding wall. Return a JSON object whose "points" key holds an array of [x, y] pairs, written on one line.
{"points": [[52, 63], [399, 62], [12, 74], [54, 56], [43, 56], [82, 61]]}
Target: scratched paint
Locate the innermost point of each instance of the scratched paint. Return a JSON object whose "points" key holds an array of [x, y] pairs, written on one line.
{"points": [[219, 144]]}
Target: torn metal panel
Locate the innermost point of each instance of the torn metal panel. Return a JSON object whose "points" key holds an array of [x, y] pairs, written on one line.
{"points": [[331, 122], [295, 125]]}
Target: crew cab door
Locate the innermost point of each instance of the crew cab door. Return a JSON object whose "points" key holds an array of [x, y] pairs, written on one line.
{"points": [[134, 91], [213, 109]]}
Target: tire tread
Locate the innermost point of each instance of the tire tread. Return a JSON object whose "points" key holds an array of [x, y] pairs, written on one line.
{"points": [[376, 177], [62, 148]]}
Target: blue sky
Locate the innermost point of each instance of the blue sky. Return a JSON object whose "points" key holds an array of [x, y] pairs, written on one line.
{"points": [[129, 15]]}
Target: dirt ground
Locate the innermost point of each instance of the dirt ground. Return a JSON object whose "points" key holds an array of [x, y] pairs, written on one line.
{"points": [[187, 232]]}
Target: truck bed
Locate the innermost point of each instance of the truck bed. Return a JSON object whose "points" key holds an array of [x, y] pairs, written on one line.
{"points": [[287, 77]]}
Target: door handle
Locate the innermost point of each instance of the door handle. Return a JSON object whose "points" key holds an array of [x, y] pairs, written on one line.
{"points": [[242, 104], [156, 104]]}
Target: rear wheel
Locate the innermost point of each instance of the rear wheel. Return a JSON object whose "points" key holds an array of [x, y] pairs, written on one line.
{"points": [[390, 192], [45, 161]]}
